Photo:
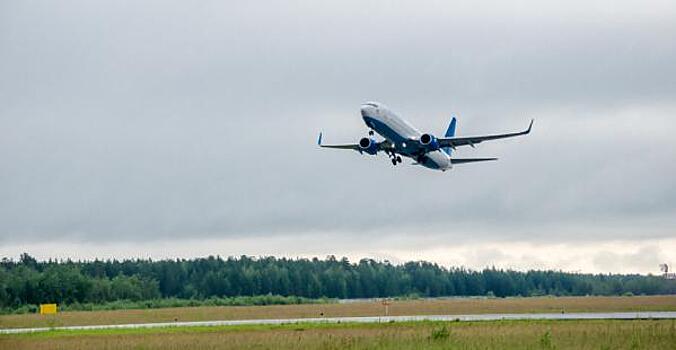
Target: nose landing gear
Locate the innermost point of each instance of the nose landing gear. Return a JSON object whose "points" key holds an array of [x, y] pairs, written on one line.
{"points": [[395, 158]]}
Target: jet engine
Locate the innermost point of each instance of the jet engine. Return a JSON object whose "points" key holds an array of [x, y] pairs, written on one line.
{"points": [[429, 142], [368, 145]]}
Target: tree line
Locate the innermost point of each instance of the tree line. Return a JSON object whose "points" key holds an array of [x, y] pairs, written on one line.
{"points": [[28, 281]]}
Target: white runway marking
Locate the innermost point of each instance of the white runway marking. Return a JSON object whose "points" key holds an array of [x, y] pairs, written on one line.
{"points": [[369, 319]]}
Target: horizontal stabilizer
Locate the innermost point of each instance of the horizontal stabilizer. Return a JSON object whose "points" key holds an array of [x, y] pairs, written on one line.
{"points": [[470, 160]]}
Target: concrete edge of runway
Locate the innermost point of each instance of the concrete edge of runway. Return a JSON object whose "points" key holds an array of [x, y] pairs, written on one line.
{"points": [[366, 319]]}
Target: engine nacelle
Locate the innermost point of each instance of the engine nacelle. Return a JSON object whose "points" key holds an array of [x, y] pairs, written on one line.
{"points": [[429, 142], [368, 145]]}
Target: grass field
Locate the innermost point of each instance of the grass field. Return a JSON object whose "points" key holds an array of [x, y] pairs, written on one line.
{"points": [[645, 334], [412, 307]]}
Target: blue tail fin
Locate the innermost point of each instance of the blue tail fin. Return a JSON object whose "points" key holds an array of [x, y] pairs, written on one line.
{"points": [[450, 132]]}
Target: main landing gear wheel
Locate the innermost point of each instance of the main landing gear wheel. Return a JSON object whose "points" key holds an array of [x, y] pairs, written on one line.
{"points": [[394, 158]]}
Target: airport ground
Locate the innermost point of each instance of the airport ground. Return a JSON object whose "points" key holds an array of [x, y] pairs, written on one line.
{"points": [[590, 334], [569, 334], [450, 306]]}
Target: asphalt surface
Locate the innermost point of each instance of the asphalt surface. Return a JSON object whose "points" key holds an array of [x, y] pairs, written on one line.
{"points": [[381, 319]]}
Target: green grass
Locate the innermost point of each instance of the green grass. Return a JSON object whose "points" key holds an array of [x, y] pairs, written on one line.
{"points": [[258, 300], [591, 334], [455, 306], [299, 326]]}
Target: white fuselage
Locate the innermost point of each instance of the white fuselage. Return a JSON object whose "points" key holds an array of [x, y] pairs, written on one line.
{"points": [[403, 136]]}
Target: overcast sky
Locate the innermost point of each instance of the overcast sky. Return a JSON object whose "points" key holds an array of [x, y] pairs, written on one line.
{"points": [[165, 129]]}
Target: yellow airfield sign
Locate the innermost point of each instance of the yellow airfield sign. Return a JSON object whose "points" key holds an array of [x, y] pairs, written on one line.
{"points": [[47, 309]]}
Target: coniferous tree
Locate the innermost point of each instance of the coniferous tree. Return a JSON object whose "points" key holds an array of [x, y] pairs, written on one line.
{"points": [[28, 281]]}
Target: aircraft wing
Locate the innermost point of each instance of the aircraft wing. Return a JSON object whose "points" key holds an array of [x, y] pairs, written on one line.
{"points": [[383, 145], [352, 146], [473, 140]]}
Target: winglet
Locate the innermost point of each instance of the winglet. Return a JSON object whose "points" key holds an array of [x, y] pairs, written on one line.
{"points": [[530, 126], [319, 141]]}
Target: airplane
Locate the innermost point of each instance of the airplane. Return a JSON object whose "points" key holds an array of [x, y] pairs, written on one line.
{"points": [[402, 139]]}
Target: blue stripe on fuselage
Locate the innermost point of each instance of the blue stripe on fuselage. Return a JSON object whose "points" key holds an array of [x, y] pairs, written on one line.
{"points": [[387, 132]]}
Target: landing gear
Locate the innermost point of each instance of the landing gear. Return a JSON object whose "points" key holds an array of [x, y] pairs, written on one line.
{"points": [[394, 158]]}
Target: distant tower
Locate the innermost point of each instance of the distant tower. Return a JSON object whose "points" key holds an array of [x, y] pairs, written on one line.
{"points": [[668, 275]]}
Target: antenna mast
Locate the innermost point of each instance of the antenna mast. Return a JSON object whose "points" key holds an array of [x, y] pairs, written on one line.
{"points": [[666, 274]]}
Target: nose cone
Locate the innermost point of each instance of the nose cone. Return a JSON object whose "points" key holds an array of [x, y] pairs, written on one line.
{"points": [[367, 110]]}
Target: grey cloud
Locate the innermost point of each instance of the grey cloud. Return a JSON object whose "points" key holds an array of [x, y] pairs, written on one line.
{"points": [[645, 258], [141, 122]]}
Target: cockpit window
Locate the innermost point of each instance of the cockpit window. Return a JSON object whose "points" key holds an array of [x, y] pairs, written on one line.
{"points": [[371, 104]]}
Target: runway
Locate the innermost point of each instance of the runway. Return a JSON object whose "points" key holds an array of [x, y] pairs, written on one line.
{"points": [[382, 319]]}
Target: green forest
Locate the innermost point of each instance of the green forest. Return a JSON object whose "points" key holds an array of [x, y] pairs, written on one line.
{"points": [[27, 281]]}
